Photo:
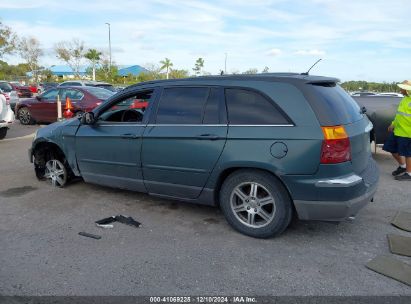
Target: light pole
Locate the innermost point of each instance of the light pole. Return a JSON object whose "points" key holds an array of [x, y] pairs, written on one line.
{"points": [[109, 46], [225, 64]]}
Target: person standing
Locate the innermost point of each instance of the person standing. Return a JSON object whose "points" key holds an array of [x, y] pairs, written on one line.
{"points": [[399, 143]]}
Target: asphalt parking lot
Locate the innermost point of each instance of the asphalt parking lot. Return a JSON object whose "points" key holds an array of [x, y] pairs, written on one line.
{"points": [[181, 249]]}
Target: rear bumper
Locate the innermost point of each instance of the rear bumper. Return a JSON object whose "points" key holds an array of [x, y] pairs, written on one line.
{"points": [[337, 198], [333, 210]]}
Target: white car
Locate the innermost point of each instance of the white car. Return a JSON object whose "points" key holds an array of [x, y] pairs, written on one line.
{"points": [[6, 115]]}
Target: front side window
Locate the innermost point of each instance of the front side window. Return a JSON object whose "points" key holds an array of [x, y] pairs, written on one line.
{"points": [[251, 108], [182, 106], [130, 109], [50, 95]]}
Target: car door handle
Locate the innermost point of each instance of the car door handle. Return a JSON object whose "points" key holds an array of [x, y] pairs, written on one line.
{"points": [[129, 136], [208, 137]]}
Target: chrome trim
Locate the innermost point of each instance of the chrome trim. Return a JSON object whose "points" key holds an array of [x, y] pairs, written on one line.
{"points": [[340, 182], [120, 125]]}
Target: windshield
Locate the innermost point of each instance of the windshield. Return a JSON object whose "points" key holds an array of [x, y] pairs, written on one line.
{"points": [[99, 92]]}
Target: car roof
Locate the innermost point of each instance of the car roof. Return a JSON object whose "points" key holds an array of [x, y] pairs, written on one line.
{"points": [[274, 77]]}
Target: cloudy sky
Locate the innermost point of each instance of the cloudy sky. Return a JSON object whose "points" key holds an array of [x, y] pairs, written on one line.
{"points": [[357, 40]]}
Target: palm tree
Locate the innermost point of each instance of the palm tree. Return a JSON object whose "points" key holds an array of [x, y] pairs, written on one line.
{"points": [[94, 57], [166, 64]]}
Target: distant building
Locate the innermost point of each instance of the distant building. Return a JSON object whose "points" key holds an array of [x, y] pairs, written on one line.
{"points": [[66, 72], [134, 70]]}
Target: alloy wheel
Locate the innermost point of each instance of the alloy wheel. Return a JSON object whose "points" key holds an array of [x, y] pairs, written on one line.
{"points": [[252, 204], [24, 116], [56, 173]]}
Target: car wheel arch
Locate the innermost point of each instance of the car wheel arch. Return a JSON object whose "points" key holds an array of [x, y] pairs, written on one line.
{"points": [[226, 172], [41, 152]]}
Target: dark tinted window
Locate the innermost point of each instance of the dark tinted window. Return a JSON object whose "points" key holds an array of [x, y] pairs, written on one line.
{"points": [[251, 108], [212, 108], [181, 106], [334, 105]]}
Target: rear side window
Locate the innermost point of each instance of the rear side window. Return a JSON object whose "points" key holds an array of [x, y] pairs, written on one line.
{"points": [[251, 108], [182, 106], [333, 105]]}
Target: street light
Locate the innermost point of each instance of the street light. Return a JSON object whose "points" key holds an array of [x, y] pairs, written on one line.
{"points": [[225, 64], [109, 46]]}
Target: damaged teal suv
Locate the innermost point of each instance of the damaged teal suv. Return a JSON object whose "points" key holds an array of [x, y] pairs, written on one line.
{"points": [[263, 148]]}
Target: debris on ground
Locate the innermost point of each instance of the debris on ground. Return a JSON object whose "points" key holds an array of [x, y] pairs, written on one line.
{"points": [[106, 222], [93, 236]]}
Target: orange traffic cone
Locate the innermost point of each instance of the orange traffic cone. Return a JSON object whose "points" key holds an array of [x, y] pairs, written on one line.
{"points": [[68, 113]]}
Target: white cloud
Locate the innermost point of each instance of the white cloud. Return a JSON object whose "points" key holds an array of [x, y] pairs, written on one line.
{"points": [[313, 52], [274, 52]]}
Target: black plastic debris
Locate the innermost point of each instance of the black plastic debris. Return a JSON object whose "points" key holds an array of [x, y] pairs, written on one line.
{"points": [[105, 222], [93, 236]]}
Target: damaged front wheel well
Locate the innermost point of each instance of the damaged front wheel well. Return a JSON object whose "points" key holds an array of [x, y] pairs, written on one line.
{"points": [[43, 152]]}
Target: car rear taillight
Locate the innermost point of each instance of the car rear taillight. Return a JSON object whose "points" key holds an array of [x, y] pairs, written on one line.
{"points": [[336, 146], [7, 98]]}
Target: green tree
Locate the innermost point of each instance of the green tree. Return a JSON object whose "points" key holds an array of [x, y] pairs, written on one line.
{"points": [[71, 52], [94, 57], [251, 71], [198, 66], [7, 40], [30, 51], [174, 74], [265, 70], [166, 64]]}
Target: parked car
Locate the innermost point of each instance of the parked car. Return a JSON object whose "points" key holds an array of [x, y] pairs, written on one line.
{"points": [[22, 91], [33, 88], [43, 108], [82, 83], [261, 147], [362, 94], [381, 111], [6, 115], [6, 88], [391, 94], [44, 86]]}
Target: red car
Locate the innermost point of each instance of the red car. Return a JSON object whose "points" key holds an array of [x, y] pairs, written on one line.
{"points": [[43, 108], [22, 91]]}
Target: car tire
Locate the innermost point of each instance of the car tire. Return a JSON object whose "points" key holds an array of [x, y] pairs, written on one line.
{"points": [[255, 203], [3, 133], [56, 172], [25, 117]]}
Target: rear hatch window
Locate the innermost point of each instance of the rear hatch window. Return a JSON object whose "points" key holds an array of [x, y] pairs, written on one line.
{"points": [[333, 105]]}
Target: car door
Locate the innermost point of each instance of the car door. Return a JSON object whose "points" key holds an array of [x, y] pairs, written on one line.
{"points": [[184, 142], [108, 152], [43, 110]]}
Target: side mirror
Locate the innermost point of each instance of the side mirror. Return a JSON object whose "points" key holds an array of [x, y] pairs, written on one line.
{"points": [[38, 97], [88, 118]]}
